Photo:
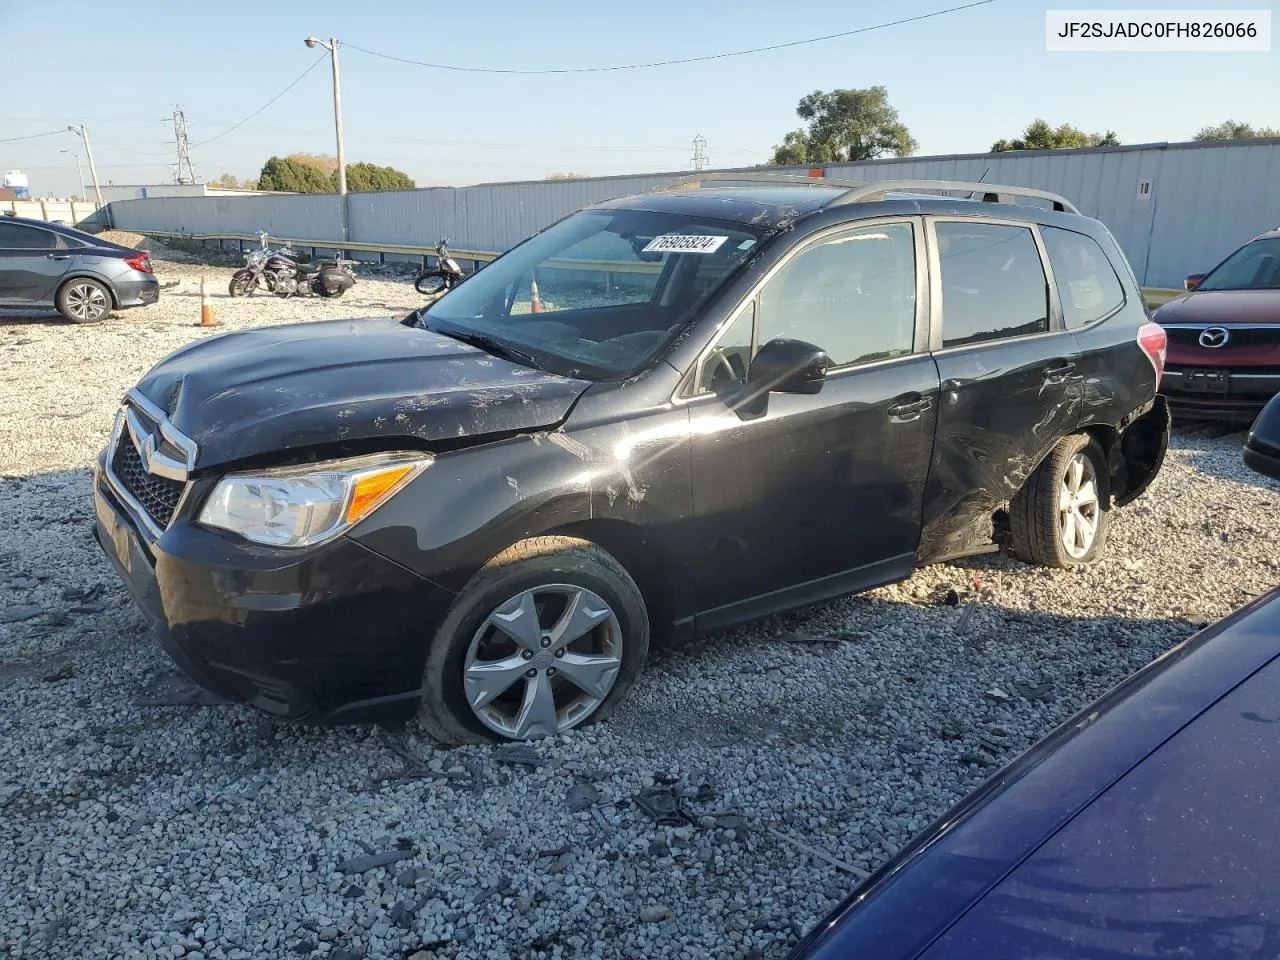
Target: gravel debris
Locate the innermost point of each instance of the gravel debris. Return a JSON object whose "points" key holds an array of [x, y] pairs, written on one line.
{"points": [[749, 779]]}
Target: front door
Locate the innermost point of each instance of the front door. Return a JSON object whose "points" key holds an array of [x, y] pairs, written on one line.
{"points": [[820, 494], [1011, 385], [30, 263]]}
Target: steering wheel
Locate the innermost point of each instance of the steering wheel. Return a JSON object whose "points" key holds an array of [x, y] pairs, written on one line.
{"points": [[722, 362]]}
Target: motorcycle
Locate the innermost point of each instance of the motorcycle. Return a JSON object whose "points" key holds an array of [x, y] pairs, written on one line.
{"points": [[280, 273], [446, 275]]}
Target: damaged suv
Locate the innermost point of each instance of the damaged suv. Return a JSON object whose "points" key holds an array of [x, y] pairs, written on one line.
{"points": [[679, 411]]}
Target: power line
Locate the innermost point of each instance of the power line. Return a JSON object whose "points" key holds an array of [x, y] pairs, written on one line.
{"points": [[33, 136], [315, 63], [672, 63]]}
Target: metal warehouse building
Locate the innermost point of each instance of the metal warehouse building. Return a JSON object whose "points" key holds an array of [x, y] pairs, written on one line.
{"points": [[1175, 208]]}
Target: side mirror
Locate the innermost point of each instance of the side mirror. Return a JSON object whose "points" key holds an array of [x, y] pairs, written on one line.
{"points": [[1262, 446], [788, 366], [1193, 281]]}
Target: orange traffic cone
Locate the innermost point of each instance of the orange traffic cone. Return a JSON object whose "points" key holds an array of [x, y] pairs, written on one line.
{"points": [[535, 303], [208, 317]]}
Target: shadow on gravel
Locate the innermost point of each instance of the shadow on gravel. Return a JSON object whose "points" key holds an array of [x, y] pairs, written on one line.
{"points": [[858, 668], [1217, 450], [13, 319]]}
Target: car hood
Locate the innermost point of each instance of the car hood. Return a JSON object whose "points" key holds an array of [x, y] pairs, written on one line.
{"points": [[1222, 306], [268, 391]]}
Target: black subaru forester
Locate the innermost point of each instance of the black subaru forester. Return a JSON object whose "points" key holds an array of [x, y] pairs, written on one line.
{"points": [[680, 411]]}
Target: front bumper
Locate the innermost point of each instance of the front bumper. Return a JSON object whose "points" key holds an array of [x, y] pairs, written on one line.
{"points": [[136, 289], [335, 634], [1245, 394]]}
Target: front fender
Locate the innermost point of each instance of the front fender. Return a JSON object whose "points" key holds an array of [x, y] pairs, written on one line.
{"points": [[473, 503]]}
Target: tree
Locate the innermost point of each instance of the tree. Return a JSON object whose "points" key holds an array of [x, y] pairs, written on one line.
{"points": [[229, 181], [324, 162], [1040, 136], [846, 126], [1235, 130], [369, 176], [566, 176], [291, 176]]}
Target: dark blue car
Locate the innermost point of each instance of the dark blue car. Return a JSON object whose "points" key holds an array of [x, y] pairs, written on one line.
{"points": [[1148, 825]]}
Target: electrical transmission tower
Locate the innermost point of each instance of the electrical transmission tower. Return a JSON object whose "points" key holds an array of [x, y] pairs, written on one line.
{"points": [[182, 171], [699, 152]]}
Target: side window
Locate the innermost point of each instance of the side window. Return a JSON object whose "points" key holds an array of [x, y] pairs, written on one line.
{"points": [[18, 236], [993, 283], [1087, 283], [726, 364], [853, 295]]}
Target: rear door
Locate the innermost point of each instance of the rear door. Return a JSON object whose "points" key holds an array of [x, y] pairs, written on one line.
{"points": [[31, 262], [1010, 380], [821, 494]]}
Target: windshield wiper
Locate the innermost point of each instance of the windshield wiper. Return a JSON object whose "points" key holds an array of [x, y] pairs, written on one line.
{"points": [[492, 345]]}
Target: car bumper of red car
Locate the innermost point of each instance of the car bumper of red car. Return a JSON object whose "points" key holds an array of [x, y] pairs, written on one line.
{"points": [[1218, 393]]}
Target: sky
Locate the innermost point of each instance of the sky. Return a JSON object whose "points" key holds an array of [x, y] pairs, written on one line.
{"points": [[959, 82]]}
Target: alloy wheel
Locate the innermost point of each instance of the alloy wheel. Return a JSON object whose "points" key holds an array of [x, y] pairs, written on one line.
{"points": [[543, 661], [87, 301], [1078, 506]]}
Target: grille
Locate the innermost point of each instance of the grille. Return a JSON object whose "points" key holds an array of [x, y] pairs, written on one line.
{"points": [[159, 496], [1239, 337]]}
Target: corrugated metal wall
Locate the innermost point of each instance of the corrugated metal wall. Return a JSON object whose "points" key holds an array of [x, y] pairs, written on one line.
{"points": [[1203, 201]]}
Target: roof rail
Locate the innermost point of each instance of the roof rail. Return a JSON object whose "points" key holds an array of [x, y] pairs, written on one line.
{"points": [[696, 181], [991, 192]]}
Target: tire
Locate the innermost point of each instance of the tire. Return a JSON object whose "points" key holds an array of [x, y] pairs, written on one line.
{"points": [[432, 283], [1044, 530], [544, 569], [242, 286], [82, 300]]}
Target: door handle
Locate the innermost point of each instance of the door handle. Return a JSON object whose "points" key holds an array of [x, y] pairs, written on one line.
{"points": [[1057, 372], [59, 256], [909, 410]]}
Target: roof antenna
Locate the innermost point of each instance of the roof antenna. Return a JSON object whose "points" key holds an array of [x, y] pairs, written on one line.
{"points": [[981, 179]]}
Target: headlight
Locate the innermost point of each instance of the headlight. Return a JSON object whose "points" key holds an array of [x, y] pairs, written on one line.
{"points": [[303, 506]]}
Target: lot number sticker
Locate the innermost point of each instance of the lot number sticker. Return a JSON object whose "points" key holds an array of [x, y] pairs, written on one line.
{"points": [[684, 243]]}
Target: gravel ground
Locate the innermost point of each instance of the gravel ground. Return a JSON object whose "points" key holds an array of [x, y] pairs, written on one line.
{"points": [[140, 819]]}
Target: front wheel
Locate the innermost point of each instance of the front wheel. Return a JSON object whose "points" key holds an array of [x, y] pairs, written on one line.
{"points": [[549, 634], [1061, 515], [242, 284], [432, 283]]}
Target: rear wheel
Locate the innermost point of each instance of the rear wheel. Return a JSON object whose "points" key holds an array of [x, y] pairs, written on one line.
{"points": [[550, 634], [1061, 515], [84, 301]]}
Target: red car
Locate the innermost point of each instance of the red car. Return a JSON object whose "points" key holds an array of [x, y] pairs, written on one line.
{"points": [[1224, 336]]}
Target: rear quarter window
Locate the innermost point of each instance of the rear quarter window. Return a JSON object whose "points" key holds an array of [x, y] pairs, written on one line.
{"points": [[1087, 283]]}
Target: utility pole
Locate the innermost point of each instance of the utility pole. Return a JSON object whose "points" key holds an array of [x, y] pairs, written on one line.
{"points": [[83, 131], [183, 173], [699, 152], [332, 47]]}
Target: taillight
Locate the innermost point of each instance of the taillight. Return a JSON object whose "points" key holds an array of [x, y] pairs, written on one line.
{"points": [[141, 262], [1155, 344]]}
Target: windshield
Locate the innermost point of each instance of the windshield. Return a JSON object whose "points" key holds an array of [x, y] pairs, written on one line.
{"points": [[1255, 266], [598, 294]]}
